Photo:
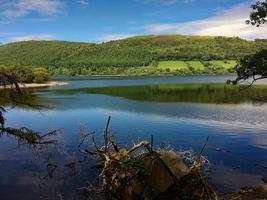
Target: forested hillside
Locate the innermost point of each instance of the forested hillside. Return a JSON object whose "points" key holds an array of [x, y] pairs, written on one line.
{"points": [[84, 58]]}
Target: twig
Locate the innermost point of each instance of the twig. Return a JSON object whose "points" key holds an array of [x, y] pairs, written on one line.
{"points": [[197, 162], [54, 132], [141, 144], [106, 134], [85, 136], [152, 141]]}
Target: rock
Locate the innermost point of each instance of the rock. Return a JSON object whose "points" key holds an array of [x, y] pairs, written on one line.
{"points": [[158, 178], [175, 163], [264, 179], [247, 193]]}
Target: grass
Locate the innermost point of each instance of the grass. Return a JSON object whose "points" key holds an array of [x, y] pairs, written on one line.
{"points": [[228, 64], [196, 65], [173, 66]]}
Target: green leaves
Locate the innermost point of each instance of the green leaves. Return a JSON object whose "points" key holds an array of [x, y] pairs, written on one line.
{"points": [[253, 66], [27, 75], [258, 16]]}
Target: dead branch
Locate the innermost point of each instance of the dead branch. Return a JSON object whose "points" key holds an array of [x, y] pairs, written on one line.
{"points": [[197, 162], [106, 134], [139, 145], [28, 136], [122, 169]]}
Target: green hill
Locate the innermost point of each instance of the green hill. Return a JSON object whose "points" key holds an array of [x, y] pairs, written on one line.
{"points": [[133, 55]]}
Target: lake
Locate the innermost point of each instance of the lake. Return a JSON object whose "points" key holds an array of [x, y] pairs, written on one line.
{"points": [[180, 112]]}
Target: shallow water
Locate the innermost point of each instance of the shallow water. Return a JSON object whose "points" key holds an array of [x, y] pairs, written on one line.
{"points": [[178, 111]]}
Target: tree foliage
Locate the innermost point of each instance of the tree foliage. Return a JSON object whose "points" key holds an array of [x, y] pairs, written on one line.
{"points": [[258, 16], [26, 75], [252, 66], [9, 86]]}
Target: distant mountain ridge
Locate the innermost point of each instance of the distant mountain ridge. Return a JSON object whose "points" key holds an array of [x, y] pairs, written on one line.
{"points": [[132, 52]]}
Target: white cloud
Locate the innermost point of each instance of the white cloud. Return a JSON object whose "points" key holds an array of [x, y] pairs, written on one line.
{"points": [[44, 36], [225, 23], [164, 2], [110, 37], [19, 8], [83, 2]]}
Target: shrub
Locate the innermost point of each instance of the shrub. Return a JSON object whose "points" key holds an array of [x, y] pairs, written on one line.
{"points": [[27, 75], [40, 75]]}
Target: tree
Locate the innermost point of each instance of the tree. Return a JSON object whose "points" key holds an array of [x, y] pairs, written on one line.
{"points": [[40, 75], [258, 16], [9, 82], [254, 66], [5, 80], [27, 75]]}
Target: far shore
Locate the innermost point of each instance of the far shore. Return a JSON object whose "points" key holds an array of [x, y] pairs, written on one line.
{"points": [[39, 85], [86, 77]]}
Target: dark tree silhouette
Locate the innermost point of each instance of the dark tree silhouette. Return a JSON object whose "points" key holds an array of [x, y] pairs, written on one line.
{"points": [[254, 66], [10, 81], [258, 16]]}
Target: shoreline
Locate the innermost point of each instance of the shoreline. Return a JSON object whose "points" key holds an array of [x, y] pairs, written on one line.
{"points": [[38, 85], [89, 77]]}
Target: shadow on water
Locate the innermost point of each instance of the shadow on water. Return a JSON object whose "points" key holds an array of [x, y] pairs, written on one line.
{"points": [[215, 93], [186, 93], [27, 100]]}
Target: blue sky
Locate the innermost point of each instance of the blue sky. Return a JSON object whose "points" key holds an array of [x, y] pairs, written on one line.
{"points": [[104, 20]]}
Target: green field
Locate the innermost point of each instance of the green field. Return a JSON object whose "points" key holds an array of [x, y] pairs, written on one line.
{"points": [[172, 66], [197, 67], [228, 64]]}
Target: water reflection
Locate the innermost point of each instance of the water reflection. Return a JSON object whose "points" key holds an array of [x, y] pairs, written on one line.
{"points": [[26, 100], [190, 93]]}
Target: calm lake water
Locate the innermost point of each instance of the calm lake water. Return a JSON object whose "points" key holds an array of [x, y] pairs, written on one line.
{"points": [[181, 112]]}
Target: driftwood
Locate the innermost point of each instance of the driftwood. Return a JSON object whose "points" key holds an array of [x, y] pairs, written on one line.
{"points": [[140, 172]]}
